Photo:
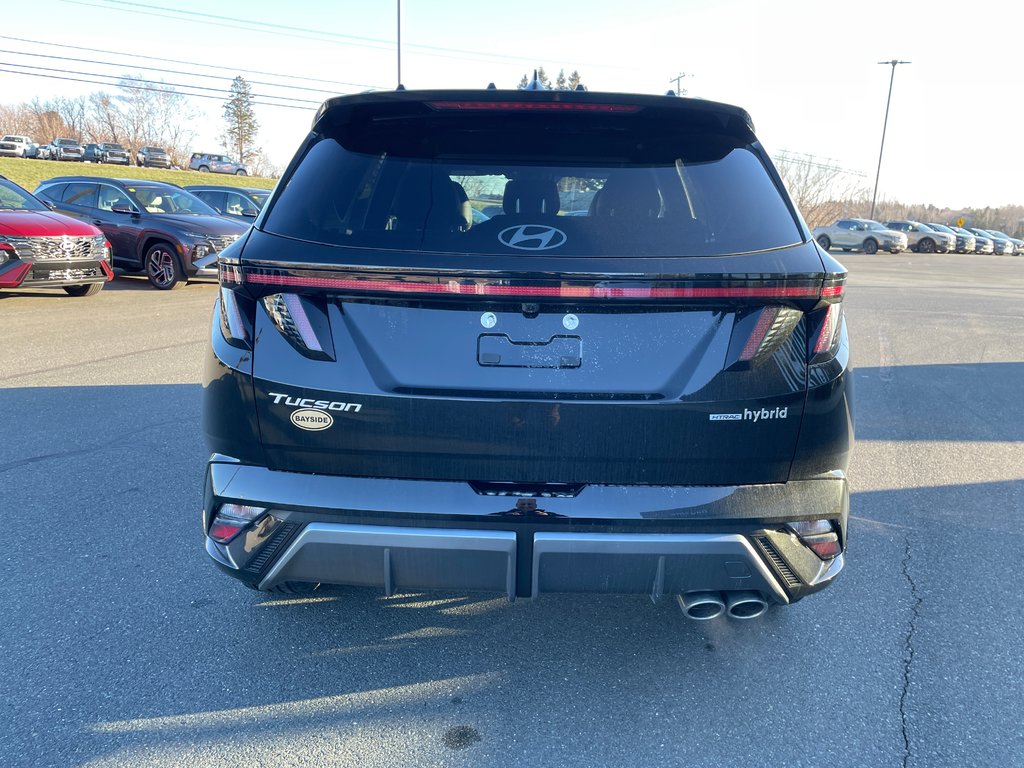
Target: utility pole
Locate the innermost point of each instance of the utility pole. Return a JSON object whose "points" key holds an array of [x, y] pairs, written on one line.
{"points": [[677, 79], [399, 42], [885, 124]]}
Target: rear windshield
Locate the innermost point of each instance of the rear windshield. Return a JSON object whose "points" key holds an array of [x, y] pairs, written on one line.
{"points": [[500, 185]]}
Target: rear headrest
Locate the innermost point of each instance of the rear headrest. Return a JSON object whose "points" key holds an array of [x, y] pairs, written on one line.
{"points": [[529, 197], [633, 197]]}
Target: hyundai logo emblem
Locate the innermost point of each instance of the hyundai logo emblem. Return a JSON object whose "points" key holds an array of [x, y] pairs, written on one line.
{"points": [[66, 244], [532, 237]]}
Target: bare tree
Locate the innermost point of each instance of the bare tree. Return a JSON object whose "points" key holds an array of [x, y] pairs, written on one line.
{"points": [[820, 189]]}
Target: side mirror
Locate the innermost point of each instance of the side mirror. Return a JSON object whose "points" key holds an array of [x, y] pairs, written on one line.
{"points": [[122, 208], [250, 213]]}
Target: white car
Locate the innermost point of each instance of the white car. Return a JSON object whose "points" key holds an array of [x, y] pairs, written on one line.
{"points": [[14, 146]]}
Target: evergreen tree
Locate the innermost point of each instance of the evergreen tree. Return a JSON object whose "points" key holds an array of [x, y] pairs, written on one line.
{"points": [[560, 84], [240, 124], [574, 80]]}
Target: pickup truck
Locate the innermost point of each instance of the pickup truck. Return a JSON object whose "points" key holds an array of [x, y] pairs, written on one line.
{"points": [[860, 235], [14, 146]]}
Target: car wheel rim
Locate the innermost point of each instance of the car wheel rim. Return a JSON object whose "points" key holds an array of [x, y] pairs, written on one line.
{"points": [[161, 267]]}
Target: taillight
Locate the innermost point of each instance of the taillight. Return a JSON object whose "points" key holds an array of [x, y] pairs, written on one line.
{"points": [[303, 323], [828, 330], [825, 323], [257, 277], [232, 519], [234, 326], [819, 536]]}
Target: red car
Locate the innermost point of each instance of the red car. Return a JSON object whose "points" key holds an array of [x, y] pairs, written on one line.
{"points": [[43, 249]]}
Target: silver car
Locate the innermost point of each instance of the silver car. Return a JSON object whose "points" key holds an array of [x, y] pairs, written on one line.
{"points": [[207, 163], [923, 238], [983, 244], [860, 234]]}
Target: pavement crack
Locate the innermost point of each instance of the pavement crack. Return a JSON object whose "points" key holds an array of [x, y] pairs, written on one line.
{"points": [[908, 647], [81, 451]]}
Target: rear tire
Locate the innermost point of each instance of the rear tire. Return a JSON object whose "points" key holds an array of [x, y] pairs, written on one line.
{"points": [[241, 172], [870, 246], [90, 289], [204, 169], [825, 242], [162, 268]]}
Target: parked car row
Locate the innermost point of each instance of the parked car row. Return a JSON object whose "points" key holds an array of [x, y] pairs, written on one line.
{"points": [[74, 229], [897, 236], [72, 150]]}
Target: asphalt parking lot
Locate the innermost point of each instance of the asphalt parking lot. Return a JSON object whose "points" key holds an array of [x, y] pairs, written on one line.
{"points": [[121, 645]]}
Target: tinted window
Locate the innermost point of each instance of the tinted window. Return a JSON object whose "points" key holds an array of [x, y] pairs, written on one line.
{"points": [[111, 196], [657, 193], [80, 194], [169, 200], [13, 196], [216, 199], [235, 203], [52, 192]]}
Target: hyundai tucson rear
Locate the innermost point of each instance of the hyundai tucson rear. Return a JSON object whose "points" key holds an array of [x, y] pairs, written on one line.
{"points": [[650, 398]]}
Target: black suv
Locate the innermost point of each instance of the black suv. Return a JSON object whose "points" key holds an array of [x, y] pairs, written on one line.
{"points": [[113, 154], [153, 227], [649, 398]]}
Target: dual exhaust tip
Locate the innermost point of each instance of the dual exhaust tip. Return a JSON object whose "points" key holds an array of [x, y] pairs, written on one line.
{"points": [[704, 606]]}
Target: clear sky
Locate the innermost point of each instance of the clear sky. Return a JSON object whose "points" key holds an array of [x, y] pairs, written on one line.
{"points": [[806, 71]]}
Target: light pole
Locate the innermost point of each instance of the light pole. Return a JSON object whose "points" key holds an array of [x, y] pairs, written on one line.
{"points": [[885, 124], [399, 42], [677, 80]]}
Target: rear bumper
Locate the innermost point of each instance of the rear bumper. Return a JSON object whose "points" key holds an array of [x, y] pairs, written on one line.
{"points": [[402, 535]]}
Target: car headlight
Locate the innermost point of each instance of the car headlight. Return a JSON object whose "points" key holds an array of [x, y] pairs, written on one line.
{"points": [[197, 235]]}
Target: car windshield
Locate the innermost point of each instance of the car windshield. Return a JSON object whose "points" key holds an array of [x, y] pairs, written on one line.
{"points": [[925, 228], [111, 146], [875, 225], [16, 139], [66, 143], [167, 200], [649, 191], [259, 198], [941, 228], [13, 197]]}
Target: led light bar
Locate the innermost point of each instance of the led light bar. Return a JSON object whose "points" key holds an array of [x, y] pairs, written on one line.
{"points": [[562, 291]]}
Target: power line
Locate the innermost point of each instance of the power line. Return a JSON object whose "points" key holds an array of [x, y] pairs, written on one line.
{"points": [[168, 86], [143, 88], [192, 63], [332, 91], [341, 38]]}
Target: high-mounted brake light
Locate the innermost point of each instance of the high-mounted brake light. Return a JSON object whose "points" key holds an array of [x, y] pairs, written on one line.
{"points": [[555, 291], [535, 106]]}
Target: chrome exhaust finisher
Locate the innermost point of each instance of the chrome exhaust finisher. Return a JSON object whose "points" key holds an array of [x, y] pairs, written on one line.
{"points": [[745, 605], [701, 606]]}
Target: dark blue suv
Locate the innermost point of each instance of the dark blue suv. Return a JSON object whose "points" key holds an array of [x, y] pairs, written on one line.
{"points": [[153, 227]]}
